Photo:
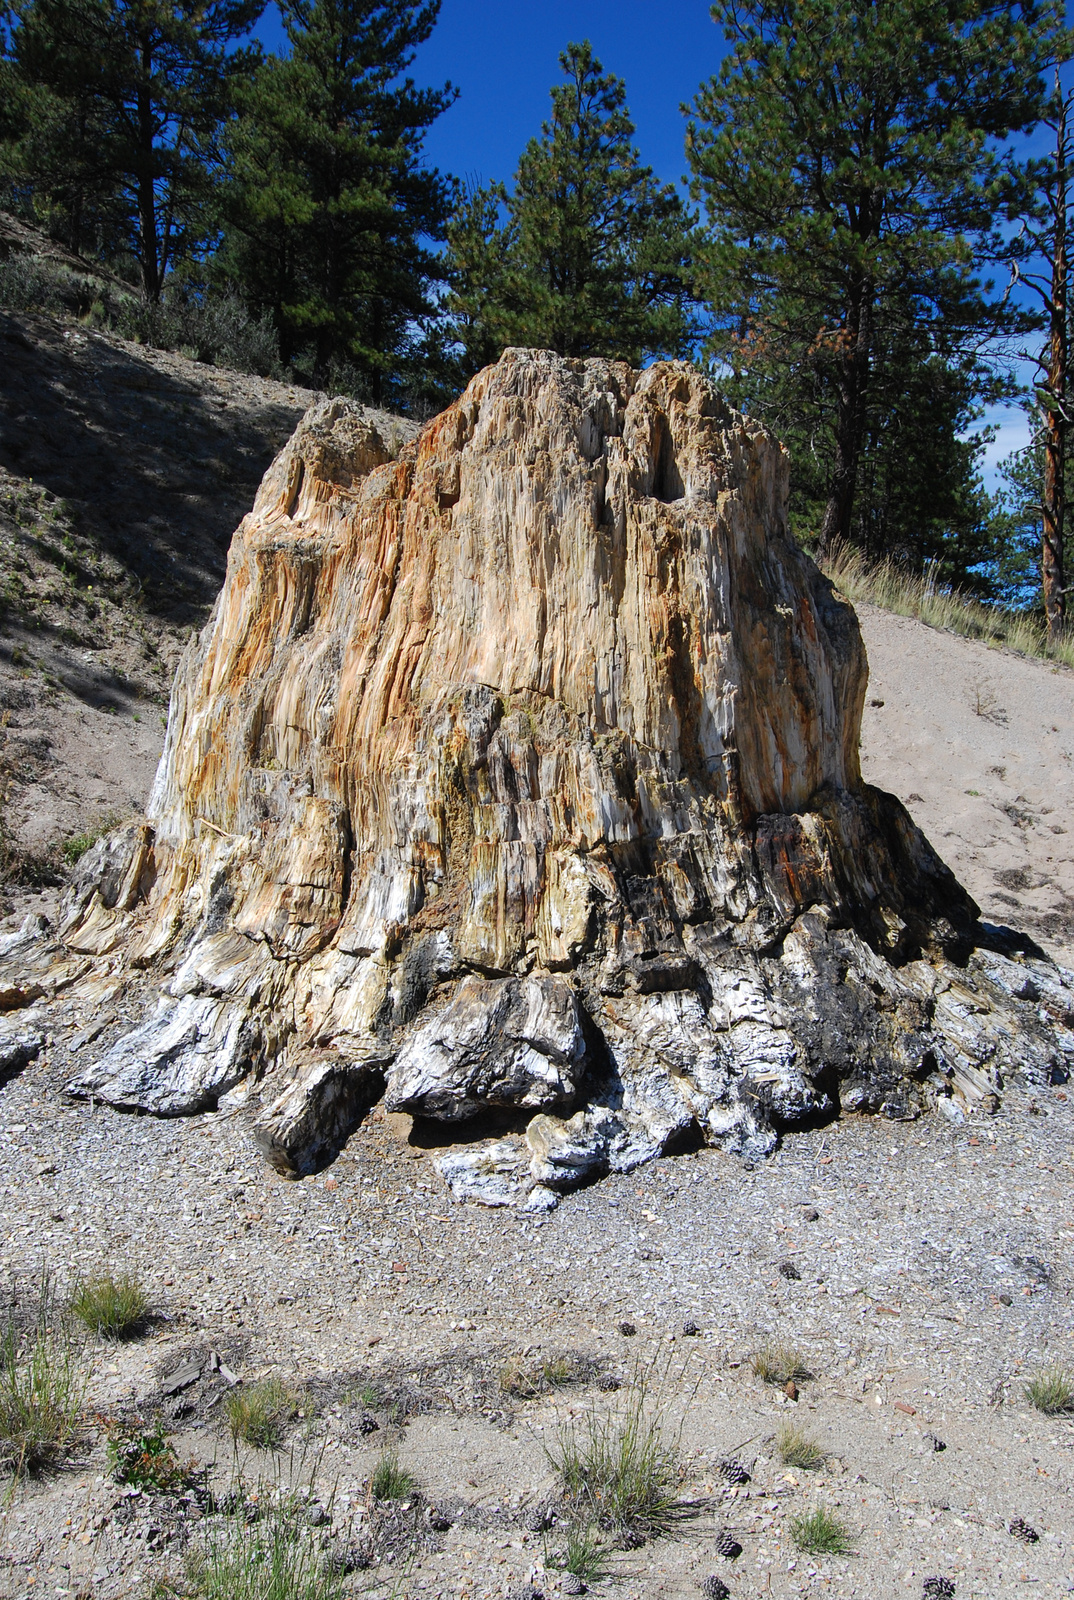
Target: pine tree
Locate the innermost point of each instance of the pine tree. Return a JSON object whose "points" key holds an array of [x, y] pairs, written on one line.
{"points": [[587, 254], [852, 167], [328, 203], [125, 100]]}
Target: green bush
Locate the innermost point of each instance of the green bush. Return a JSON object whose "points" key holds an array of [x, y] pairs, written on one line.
{"points": [[821, 1533], [390, 1480], [273, 1559], [621, 1465], [1051, 1390], [258, 1413]]}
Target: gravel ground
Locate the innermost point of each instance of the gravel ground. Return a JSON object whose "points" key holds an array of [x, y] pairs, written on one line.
{"points": [[934, 1277]]}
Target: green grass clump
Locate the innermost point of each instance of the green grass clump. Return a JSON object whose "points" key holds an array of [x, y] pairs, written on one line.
{"points": [[1051, 1390], [113, 1307], [911, 594], [258, 1413], [798, 1449], [621, 1465], [42, 1386], [272, 1559], [779, 1363], [821, 1533], [390, 1480]]}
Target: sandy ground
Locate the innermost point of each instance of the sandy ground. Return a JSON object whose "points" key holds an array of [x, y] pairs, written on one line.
{"points": [[979, 744]]}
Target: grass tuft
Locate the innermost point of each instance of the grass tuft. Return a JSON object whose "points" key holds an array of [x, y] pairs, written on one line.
{"points": [[390, 1480], [42, 1386], [584, 1553], [779, 1364], [621, 1465], [798, 1449], [113, 1307], [909, 594], [821, 1533], [258, 1413], [1051, 1390], [528, 1379], [274, 1558]]}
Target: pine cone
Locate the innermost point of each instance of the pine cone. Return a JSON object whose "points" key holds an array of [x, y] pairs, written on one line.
{"points": [[938, 1589], [540, 1519], [934, 1442], [367, 1423], [728, 1547], [732, 1470], [1021, 1530], [690, 1329], [627, 1329], [572, 1584], [714, 1588], [787, 1269]]}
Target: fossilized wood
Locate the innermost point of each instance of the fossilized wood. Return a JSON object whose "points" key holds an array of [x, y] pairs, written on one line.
{"points": [[521, 772]]}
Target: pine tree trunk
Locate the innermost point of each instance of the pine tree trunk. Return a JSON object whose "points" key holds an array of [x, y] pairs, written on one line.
{"points": [[147, 208], [1055, 423], [850, 421]]}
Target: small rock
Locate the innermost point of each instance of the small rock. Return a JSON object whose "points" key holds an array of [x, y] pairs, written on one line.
{"points": [[1005, 1300], [810, 1214], [1021, 1530], [728, 1547], [790, 1389], [541, 1199], [732, 1470], [787, 1269], [714, 1588], [933, 1442], [937, 1589], [627, 1329], [691, 1329], [316, 1515], [572, 1584]]}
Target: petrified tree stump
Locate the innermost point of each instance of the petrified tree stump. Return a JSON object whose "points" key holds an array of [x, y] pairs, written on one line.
{"points": [[520, 773]]}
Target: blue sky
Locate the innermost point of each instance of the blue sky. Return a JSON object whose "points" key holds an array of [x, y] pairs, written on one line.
{"points": [[503, 58]]}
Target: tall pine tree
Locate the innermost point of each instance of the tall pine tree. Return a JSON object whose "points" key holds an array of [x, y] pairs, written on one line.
{"points": [[123, 102], [852, 165], [329, 206], [587, 254]]}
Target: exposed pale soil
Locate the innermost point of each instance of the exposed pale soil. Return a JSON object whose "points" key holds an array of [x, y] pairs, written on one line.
{"points": [[369, 1274]]}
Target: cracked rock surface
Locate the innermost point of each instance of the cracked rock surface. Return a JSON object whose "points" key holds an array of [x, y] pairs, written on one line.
{"points": [[519, 775]]}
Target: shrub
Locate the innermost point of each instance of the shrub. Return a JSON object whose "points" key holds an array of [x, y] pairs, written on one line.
{"points": [[113, 1307], [798, 1449], [42, 1386], [390, 1480], [259, 1413], [779, 1364], [144, 1457], [1051, 1390], [621, 1465], [821, 1533]]}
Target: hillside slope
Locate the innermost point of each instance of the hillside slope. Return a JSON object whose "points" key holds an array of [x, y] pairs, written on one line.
{"points": [[123, 473]]}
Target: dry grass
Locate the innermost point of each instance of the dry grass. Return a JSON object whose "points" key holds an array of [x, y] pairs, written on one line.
{"points": [[528, 1379], [779, 1363], [798, 1449], [43, 1383], [274, 1559], [258, 1413], [1051, 1390], [113, 1307], [910, 595]]}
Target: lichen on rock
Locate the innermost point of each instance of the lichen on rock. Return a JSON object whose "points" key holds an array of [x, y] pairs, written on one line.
{"points": [[518, 775]]}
